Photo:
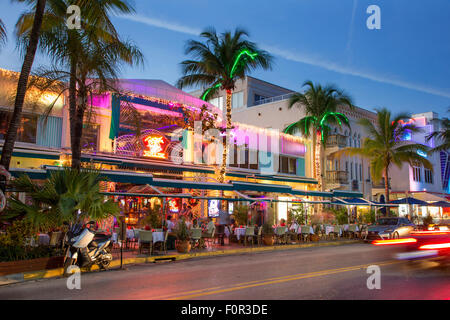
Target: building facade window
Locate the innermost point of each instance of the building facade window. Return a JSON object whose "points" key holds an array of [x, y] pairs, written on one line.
{"points": [[259, 98], [428, 175], [27, 131], [237, 100], [360, 172], [287, 165], [416, 174], [218, 102]]}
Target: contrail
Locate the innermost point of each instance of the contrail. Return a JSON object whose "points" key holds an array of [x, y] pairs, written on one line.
{"points": [[297, 57]]}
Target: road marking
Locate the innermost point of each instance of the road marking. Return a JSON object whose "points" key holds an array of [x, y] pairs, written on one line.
{"points": [[264, 282]]}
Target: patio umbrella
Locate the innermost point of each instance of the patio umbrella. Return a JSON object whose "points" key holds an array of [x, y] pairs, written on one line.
{"points": [[410, 201], [443, 204]]}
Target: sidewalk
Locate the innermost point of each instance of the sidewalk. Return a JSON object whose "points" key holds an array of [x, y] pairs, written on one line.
{"points": [[131, 257]]}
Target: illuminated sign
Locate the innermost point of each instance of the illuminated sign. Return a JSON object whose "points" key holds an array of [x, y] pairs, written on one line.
{"points": [[421, 153], [155, 146], [174, 205], [213, 208]]}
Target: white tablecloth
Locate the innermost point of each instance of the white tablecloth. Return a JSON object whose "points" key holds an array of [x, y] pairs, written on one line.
{"points": [[311, 230], [346, 227], [239, 232], [329, 229], [130, 235], [158, 236], [44, 239]]}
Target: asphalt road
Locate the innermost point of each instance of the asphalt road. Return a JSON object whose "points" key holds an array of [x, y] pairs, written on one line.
{"points": [[309, 273]]}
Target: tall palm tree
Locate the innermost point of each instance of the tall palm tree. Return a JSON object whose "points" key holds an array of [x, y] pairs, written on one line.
{"points": [[3, 35], [320, 105], [80, 50], [442, 136], [217, 63], [385, 145], [30, 45]]}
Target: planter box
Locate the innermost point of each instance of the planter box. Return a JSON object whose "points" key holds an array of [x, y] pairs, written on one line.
{"points": [[20, 266]]}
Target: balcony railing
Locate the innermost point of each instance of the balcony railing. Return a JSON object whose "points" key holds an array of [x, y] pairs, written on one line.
{"points": [[340, 177], [336, 140], [273, 99], [380, 185]]}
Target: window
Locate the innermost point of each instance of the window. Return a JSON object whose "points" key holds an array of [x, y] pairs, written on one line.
{"points": [[237, 100], [428, 176], [27, 128], [89, 141], [259, 97], [416, 174], [351, 170], [346, 166], [218, 102], [360, 172], [287, 165]]}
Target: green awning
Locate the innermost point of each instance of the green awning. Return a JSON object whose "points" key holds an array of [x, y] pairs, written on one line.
{"points": [[261, 187], [347, 194], [311, 193]]}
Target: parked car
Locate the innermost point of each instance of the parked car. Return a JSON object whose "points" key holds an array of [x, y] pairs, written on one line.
{"points": [[389, 228]]}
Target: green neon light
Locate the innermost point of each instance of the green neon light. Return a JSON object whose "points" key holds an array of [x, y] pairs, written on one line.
{"points": [[207, 91], [246, 52]]}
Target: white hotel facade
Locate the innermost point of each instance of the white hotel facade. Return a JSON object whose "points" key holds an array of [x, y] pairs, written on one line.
{"points": [[265, 105]]}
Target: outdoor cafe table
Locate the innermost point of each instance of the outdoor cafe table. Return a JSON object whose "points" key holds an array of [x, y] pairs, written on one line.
{"points": [[311, 230], [44, 239], [329, 229], [130, 235], [158, 236], [346, 227], [239, 232]]}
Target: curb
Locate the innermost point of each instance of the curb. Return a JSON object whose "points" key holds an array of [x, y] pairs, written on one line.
{"points": [[53, 273]]}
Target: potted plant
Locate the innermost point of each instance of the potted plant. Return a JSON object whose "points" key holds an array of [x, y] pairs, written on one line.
{"points": [[268, 234], [240, 213], [183, 245]]}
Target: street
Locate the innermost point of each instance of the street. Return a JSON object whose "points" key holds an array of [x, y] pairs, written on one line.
{"points": [[308, 273]]}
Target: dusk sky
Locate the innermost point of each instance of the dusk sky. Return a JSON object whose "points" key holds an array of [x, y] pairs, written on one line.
{"points": [[404, 66]]}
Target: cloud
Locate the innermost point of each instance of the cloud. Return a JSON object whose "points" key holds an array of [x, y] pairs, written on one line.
{"points": [[163, 24], [298, 57]]}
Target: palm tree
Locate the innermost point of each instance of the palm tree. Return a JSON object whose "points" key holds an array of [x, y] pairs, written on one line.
{"points": [[385, 146], [3, 35], [443, 136], [320, 105], [30, 45], [95, 50], [218, 63], [68, 195]]}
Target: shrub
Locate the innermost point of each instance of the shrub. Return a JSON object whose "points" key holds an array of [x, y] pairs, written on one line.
{"points": [[182, 231], [240, 213], [14, 244]]}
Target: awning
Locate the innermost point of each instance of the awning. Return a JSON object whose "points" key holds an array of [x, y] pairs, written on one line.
{"points": [[352, 201], [410, 201], [426, 196], [443, 204]]}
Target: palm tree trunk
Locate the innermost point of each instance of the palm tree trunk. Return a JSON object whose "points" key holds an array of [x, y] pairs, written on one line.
{"points": [[386, 187], [22, 84], [78, 126], [75, 133], [223, 167]]}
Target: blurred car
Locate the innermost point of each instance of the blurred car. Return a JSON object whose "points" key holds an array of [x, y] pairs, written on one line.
{"points": [[441, 225], [389, 228]]}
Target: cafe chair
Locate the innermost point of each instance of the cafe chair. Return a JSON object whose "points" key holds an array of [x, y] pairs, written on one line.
{"points": [[249, 235], [146, 241]]}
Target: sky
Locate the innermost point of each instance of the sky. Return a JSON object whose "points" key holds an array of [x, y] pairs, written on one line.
{"points": [[403, 66]]}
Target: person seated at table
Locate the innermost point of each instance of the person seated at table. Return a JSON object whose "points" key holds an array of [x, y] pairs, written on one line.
{"points": [[294, 226], [170, 224], [209, 228]]}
